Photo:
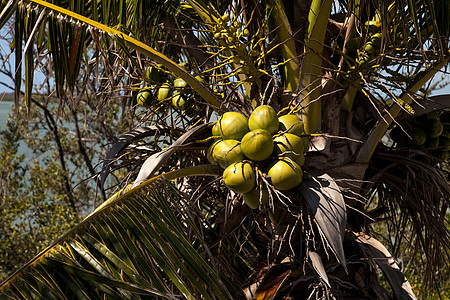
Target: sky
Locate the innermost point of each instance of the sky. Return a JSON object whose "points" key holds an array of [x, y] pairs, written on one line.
{"points": [[39, 77]]}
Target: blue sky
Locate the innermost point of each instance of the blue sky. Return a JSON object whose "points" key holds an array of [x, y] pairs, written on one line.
{"points": [[39, 77]]}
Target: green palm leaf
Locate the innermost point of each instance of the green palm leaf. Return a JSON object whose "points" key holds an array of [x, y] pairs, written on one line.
{"points": [[67, 60], [135, 246]]}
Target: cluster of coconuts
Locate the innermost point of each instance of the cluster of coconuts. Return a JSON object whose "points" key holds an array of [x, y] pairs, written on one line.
{"points": [[164, 87], [263, 143], [230, 33], [430, 133], [371, 47]]}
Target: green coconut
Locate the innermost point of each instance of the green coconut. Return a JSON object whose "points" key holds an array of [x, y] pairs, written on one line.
{"points": [[153, 75], [240, 177], [432, 143], [264, 117], [215, 131], [209, 153], [293, 124], [376, 40], [180, 101], [419, 136], [369, 48], [145, 97], [434, 128], [179, 83], [285, 174], [232, 125], [257, 144], [256, 197], [227, 152], [289, 145], [164, 91]]}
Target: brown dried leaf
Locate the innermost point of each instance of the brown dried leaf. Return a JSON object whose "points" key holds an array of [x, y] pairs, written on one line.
{"points": [[154, 162], [318, 266], [373, 248], [273, 281], [123, 142]]}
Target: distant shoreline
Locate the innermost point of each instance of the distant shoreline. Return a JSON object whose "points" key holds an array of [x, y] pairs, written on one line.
{"points": [[7, 97]]}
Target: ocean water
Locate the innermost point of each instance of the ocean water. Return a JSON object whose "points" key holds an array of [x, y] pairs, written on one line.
{"points": [[5, 108]]}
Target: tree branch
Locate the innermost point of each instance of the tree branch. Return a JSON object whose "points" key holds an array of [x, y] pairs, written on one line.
{"points": [[187, 40], [54, 128], [83, 153]]}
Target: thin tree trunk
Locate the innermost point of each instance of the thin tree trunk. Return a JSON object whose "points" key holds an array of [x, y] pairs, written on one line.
{"points": [[83, 152], [54, 128]]}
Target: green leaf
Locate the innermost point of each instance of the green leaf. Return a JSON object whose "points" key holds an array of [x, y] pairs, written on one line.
{"points": [[197, 86], [7, 12], [150, 235]]}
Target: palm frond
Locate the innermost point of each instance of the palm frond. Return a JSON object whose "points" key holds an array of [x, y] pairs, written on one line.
{"points": [[417, 196], [178, 237], [140, 47], [136, 246], [420, 79]]}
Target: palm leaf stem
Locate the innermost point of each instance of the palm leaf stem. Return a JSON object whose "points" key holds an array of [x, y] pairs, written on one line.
{"points": [[350, 94], [349, 97], [355, 85], [311, 68], [18, 31], [287, 44]]}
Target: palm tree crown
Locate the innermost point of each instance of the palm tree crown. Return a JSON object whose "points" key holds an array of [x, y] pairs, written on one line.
{"points": [[269, 141]]}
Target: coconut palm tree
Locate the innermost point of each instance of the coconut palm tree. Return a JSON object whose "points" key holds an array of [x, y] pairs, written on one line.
{"points": [[375, 147]]}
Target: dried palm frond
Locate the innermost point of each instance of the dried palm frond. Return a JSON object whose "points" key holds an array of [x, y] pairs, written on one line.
{"points": [[414, 192]]}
